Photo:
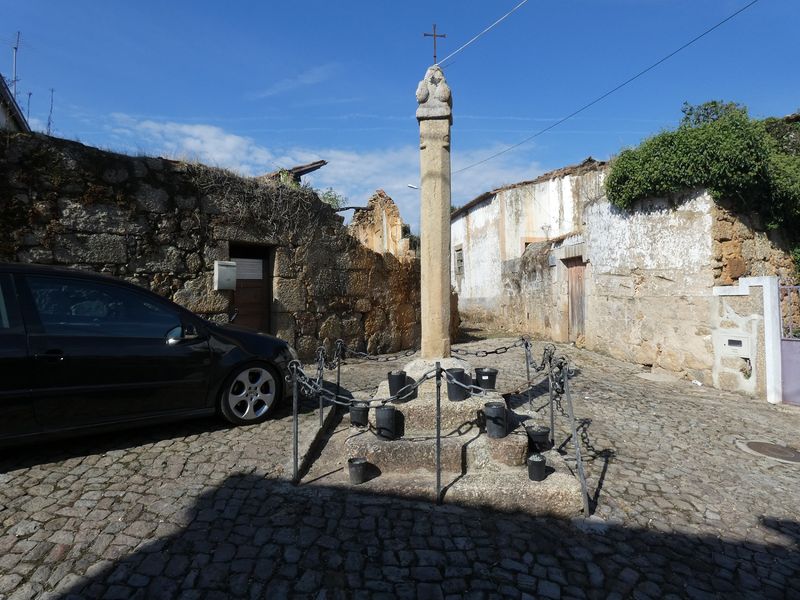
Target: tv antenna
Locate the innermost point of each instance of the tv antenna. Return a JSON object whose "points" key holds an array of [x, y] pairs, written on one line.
{"points": [[14, 79], [50, 116]]}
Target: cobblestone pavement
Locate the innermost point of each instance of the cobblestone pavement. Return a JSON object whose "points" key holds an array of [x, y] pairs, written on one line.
{"points": [[201, 511]]}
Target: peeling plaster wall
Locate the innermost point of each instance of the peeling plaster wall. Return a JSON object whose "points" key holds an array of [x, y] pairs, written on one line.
{"points": [[494, 233], [496, 287], [650, 299], [648, 277], [648, 281], [478, 234]]}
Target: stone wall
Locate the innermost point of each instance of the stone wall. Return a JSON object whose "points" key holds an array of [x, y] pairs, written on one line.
{"points": [[161, 224], [648, 280], [647, 291], [380, 228], [649, 283], [743, 247]]}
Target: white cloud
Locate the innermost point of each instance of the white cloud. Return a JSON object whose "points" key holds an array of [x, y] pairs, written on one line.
{"points": [[37, 124], [311, 76], [359, 174], [207, 144], [355, 174]]}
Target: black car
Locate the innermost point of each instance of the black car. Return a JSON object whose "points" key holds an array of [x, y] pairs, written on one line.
{"points": [[81, 351]]}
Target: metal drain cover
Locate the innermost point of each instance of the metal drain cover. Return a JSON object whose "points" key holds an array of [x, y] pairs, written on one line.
{"points": [[770, 450]]}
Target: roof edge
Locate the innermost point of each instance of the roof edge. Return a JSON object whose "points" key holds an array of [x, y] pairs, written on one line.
{"points": [[16, 112], [589, 164]]}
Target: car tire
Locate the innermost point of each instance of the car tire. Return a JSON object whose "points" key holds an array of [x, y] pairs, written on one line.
{"points": [[250, 394]]}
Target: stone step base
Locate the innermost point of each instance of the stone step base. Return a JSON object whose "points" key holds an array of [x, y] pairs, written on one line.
{"points": [[507, 489], [419, 414], [464, 450]]}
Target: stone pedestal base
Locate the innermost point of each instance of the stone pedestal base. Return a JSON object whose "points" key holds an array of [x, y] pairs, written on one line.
{"points": [[476, 470]]}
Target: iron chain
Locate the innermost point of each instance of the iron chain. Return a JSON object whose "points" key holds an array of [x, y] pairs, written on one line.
{"points": [[350, 352], [474, 390], [482, 353], [314, 388]]}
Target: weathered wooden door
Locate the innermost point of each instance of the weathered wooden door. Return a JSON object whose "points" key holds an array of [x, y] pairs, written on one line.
{"points": [[577, 303], [790, 343], [252, 298]]}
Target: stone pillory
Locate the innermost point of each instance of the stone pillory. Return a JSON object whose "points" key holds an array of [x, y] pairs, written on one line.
{"points": [[435, 117]]}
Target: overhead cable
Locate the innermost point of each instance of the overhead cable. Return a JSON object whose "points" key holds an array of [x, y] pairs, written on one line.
{"points": [[611, 91], [489, 28]]}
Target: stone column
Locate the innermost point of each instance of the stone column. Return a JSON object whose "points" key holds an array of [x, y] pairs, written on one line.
{"points": [[435, 117]]}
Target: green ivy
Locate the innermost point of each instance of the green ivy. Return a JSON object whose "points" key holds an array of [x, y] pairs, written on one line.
{"points": [[332, 197], [753, 164]]}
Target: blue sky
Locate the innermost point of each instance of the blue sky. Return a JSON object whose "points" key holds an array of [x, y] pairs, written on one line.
{"points": [[255, 86]]}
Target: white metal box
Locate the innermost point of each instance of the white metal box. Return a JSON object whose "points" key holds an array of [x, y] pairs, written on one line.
{"points": [[736, 345], [224, 275]]}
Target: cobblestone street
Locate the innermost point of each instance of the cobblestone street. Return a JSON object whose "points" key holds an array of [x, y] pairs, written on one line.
{"points": [[198, 510]]}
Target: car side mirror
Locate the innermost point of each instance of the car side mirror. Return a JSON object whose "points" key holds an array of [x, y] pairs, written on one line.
{"points": [[184, 333]]}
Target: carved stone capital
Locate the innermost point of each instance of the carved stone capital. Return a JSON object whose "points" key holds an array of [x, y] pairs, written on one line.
{"points": [[434, 97]]}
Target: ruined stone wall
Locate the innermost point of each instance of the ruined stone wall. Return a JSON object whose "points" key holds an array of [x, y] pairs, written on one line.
{"points": [[161, 224], [380, 228]]}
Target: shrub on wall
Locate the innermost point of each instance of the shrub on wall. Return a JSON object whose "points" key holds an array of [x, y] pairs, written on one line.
{"points": [[754, 164]]}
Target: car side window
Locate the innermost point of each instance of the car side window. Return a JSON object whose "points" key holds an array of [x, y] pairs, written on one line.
{"points": [[74, 307], [9, 319]]}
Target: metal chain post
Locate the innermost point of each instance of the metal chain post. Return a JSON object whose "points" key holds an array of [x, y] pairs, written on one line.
{"points": [[438, 433], [528, 360], [552, 416], [576, 442], [320, 378], [295, 430], [338, 378]]}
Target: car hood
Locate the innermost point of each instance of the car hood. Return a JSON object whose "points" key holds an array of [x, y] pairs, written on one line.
{"points": [[255, 342], [246, 332]]}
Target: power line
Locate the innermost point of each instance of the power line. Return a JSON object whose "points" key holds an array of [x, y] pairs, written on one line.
{"points": [[611, 91], [489, 28]]}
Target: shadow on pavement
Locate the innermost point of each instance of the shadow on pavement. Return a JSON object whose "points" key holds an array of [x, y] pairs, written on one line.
{"points": [[56, 449], [263, 538]]}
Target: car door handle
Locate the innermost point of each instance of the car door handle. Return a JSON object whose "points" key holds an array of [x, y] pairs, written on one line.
{"points": [[50, 356]]}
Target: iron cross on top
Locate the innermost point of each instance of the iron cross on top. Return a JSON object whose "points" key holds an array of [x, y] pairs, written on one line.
{"points": [[434, 35]]}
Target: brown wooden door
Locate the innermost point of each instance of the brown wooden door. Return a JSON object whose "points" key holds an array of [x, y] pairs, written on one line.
{"points": [[577, 303], [252, 296]]}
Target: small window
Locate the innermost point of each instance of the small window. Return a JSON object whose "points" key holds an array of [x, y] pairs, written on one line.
{"points": [[459, 261], [73, 307]]}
